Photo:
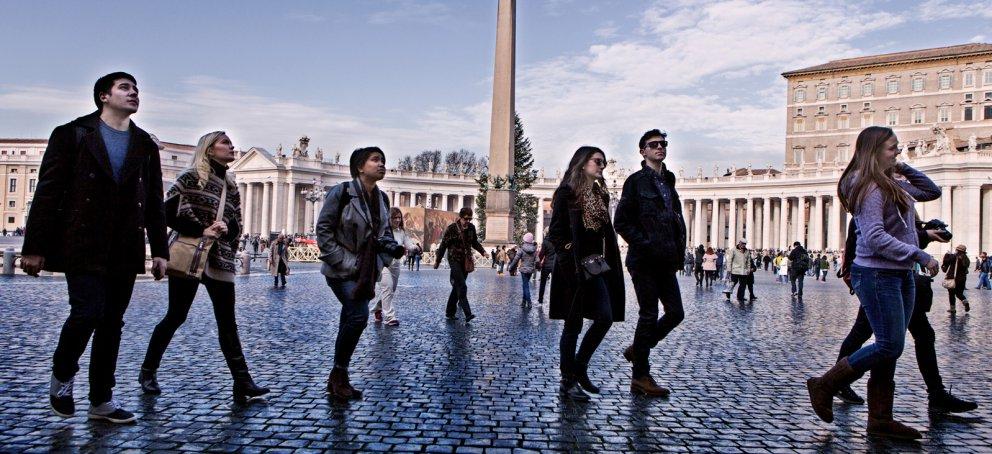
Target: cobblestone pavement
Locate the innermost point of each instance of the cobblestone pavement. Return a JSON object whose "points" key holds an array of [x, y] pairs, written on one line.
{"points": [[737, 375]]}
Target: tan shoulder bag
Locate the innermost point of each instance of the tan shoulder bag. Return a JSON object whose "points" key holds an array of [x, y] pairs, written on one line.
{"points": [[188, 254]]}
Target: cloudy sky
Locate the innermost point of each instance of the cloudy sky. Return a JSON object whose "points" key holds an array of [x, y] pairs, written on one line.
{"points": [[410, 75]]}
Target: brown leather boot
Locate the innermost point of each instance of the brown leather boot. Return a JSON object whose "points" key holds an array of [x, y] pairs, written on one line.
{"points": [[822, 389], [880, 422], [355, 393], [628, 353], [335, 385], [648, 387]]}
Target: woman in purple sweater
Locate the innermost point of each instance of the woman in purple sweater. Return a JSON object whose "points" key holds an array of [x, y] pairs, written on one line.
{"points": [[880, 193]]}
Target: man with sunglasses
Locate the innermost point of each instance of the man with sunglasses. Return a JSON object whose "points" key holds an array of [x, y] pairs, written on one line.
{"points": [[649, 218], [458, 240]]}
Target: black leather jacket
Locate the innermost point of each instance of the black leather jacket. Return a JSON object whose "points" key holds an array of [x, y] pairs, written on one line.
{"points": [[654, 232]]}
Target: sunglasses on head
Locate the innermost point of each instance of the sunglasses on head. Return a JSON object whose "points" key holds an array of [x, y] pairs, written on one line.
{"points": [[654, 144]]}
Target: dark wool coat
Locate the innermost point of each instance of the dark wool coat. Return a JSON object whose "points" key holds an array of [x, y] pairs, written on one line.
{"points": [[655, 233], [566, 285], [81, 219]]}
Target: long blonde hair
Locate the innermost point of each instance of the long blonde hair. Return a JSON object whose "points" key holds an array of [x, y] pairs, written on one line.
{"points": [[201, 160]]}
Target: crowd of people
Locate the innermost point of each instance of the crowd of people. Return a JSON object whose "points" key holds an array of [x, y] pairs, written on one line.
{"points": [[362, 241]]}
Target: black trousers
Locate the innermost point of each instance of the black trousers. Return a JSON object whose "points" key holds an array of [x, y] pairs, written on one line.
{"points": [[96, 308], [182, 292], [545, 274], [919, 327], [459, 291], [650, 286], [957, 292], [570, 360], [743, 281]]}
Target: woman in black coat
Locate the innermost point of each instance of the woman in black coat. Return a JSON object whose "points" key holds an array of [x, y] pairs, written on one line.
{"points": [[580, 230]]}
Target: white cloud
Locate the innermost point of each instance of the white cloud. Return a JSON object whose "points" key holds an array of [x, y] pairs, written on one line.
{"points": [[607, 31], [978, 39], [933, 10]]}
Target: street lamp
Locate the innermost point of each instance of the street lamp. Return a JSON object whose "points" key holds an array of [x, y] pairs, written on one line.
{"points": [[314, 195]]}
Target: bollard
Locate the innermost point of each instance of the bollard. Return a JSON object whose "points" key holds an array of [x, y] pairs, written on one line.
{"points": [[8, 262], [245, 263]]}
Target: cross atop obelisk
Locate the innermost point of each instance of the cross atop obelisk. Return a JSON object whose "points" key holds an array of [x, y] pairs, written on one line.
{"points": [[499, 224]]}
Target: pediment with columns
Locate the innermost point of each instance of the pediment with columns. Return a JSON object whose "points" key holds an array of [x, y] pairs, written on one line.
{"points": [[256, 158]]}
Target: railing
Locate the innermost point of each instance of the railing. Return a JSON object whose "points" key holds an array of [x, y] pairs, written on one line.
{"points": [[309, 254]]}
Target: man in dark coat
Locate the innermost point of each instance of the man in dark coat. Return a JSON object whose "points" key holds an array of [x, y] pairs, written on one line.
{"points": [[798, 265], [458, 241], [649, 218], [99, 190]]}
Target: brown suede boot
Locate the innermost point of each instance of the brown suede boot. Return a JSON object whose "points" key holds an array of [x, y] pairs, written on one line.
{"points": [[336, 385], [648, 387], [880, 422], [822, 389], [355, 393]]}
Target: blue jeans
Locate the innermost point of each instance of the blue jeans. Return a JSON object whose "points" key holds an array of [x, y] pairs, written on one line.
{"points": [[887, 297], [983, 281], [354, 318], [525, 281]]}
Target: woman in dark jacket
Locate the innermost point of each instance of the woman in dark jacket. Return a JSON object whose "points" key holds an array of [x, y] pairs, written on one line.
{"points": [[191, 210], [956, 264], [581, 229]]}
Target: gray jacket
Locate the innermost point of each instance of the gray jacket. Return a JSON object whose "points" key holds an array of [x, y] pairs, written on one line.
{"points": [[527, 256], [340, 231]]}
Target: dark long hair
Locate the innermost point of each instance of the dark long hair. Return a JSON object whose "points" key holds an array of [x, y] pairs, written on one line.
{"points": [[394, 211], [863, 173], [575, 178]]}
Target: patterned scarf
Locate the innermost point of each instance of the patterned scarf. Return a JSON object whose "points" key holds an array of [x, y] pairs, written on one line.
{"points": [[592, 201], [200, 205]]}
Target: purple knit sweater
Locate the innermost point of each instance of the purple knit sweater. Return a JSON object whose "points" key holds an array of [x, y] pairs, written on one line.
{"points": [[887, 235]]}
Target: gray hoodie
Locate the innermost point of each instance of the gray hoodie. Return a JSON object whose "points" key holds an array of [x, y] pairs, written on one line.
{"points": [[527, 256]]}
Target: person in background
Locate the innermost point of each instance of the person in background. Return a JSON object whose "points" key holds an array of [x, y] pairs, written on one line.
{"points": [[984, 266], [546, 257], [458, 241], [278, 262], [956, 265], [525, 261], [709, 266], [391, 274]]}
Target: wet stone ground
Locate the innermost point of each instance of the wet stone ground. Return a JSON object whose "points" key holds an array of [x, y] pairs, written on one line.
{"points": [[736, 373]]}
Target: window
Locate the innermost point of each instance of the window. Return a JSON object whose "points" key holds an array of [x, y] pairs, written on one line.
{"points": [[844, 91], [799, 125], [892, 118], [943, 114], [868, 89], [969, 97], [917, 84], [800, 95], [987, 77], [821, 124], [797, 156], [945, 81], [988, 96], [988, 112], [843, 122], [892, 87], [821, 154], [843, 107], [969, 78], [968, 114], [821, 110], [867, 106], [10, 219], [13, 185], [918, 116], [11, 204], [867, 120], [799, 111], [31, 184], [821, 93]]}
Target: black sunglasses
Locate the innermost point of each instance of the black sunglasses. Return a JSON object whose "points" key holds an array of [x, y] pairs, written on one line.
{"points": [[599, 162], [657, 144]]}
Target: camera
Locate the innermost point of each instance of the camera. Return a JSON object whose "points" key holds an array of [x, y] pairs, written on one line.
{"points": [[391, 248], [940, 227]]}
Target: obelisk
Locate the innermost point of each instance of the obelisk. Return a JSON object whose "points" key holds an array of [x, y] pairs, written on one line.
{"points": [[499, 224]]}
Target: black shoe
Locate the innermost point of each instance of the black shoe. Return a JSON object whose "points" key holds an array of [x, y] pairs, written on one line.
{"points": [[149, 382], [727, 295], [450, 317], [62, 402], [753, 297], [582, 377], [571, 390], [245, 391], [469, 318], [946, 402], [848, 395], [117, 416]]}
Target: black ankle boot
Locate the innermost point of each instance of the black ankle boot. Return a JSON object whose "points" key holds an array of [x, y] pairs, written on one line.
{"points": [[944, 401], [244, 387], [149, 382], [582, 377], [569, 389]]}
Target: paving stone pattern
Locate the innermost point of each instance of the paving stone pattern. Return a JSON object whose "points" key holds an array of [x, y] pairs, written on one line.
{"points": [[736, 373]]}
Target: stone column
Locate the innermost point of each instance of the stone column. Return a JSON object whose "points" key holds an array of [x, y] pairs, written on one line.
{"points": [[291, 209], [783, 223], [834, 224], [766, 221], [732, 231], [749, 223], [697, 223], [539, 229], [715, 229], [307, 215], [266, 209], [248, 209], [946, 213], [817, 223], [971, 207], [499, 225], [801, 222]]}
